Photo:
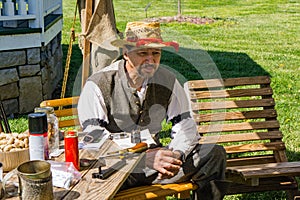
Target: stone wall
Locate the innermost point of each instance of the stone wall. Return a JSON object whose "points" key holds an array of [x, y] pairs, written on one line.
{"points": [[29, 76]]}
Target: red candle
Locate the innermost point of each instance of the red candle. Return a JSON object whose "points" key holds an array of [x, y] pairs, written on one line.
{"points": [[71, 148]]}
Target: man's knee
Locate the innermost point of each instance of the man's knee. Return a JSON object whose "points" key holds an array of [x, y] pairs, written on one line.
{"points": [[219, 151], [212, 151]]}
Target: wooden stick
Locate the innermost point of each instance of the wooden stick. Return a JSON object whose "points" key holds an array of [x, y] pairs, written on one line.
{"points": [[86, 43], [6, 124]]}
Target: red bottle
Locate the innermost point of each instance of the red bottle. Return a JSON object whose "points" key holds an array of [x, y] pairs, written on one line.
{"points": [[71, 148]]}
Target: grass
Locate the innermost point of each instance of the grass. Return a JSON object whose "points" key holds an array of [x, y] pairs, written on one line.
{"points": [[248, 38]]}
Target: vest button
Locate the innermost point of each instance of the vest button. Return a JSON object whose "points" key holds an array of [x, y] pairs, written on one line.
{"points": [[141, 112], [142, 120]]}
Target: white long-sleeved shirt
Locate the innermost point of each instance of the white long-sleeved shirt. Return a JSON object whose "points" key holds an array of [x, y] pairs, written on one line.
{"points": [[91, 105]]}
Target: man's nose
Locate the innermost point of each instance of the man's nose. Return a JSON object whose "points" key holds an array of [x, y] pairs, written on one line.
{"points": [[150, 58]]}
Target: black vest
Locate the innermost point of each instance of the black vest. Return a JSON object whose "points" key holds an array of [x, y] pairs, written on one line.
{"points": [[125, 112]]}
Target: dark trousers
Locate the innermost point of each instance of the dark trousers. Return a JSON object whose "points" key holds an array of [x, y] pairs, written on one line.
{"points": [[205, 166]]}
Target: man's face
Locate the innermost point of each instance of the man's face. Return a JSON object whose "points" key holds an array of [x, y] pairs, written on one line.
{"points": [[144, 61]]}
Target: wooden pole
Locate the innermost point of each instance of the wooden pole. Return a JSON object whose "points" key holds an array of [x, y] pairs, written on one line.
{"points": [[179, 8], [86, 43]]}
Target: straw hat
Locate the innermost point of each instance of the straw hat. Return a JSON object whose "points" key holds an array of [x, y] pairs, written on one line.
{"points": [[143, 34]]}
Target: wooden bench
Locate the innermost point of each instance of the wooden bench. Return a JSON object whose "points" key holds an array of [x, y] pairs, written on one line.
{"points": [[239, 114]]}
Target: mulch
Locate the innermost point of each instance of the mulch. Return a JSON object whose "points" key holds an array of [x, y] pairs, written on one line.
{"points": [[182, 19]]}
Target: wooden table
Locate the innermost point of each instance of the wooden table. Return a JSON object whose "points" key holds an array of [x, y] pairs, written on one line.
{"points": [[91, 188]]}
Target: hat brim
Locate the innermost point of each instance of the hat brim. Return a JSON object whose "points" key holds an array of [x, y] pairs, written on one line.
{"points": [[122, 43]]}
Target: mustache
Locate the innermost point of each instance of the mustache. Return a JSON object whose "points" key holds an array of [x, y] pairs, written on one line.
{"points": [[148, 65]]}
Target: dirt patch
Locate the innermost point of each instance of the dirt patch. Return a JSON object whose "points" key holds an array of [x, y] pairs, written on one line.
{"points": [[182, 19]]}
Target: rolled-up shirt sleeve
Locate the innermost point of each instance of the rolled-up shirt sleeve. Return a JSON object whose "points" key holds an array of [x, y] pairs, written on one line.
{"points": [[92, 111], [184, 130]]}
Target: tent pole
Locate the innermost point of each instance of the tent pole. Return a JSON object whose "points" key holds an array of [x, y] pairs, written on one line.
{"points": [[86, 43]]}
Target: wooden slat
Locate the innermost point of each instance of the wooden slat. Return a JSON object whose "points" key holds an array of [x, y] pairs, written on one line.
{"points": [[230, 93], [68, 123], [267, 170], [196, 106], [262, 159], [244, 126], [60, 102], [225, 116], [212, 83], [243, 148], [265, 184], [66, 112], [241, 137], [154, 191]]}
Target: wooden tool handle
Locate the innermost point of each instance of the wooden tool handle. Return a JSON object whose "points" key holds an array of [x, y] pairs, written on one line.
{"points": [[138, 148]]}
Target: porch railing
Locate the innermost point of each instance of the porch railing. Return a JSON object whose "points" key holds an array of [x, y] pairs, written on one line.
{"points": [[33, 11]]}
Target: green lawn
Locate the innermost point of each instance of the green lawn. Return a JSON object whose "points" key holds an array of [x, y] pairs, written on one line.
{"points": [[248, 38]]}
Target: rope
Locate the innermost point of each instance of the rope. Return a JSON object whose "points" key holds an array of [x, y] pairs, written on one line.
{"points": [[68, 59]]}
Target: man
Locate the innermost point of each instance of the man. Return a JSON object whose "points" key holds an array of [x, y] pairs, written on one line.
{"points": [[135, 93]]}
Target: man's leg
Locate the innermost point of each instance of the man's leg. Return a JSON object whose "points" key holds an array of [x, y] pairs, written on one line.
{"points": [[211, 161], [205, 165]]}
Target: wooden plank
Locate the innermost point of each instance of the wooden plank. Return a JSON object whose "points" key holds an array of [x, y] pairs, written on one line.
{"points": [[89, 188], [265, 184], [280, 156], [240, 137], [154, 191], [66, 112], [250, 160], [212, 83], [243, 148], [151, 190], [68, 123], [243, 126], [196, 106], [267, 170], [244, 115], [86, 43], [230, 93], [60, 102]]}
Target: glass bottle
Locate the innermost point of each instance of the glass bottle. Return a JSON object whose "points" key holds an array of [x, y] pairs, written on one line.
{"points": [[53, 130]]}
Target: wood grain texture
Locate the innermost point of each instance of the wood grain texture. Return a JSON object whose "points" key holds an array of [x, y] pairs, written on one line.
{"points": [[214, 105], [238, 113], [60, 102], [89, 188]]}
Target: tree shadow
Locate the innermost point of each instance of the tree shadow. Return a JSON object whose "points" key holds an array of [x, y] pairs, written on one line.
{"points": [[191, 64], [187, 64], [199, 64], [74, 69]]}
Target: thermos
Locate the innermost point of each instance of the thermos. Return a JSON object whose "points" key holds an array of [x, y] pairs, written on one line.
{"points": [[38, 136]]}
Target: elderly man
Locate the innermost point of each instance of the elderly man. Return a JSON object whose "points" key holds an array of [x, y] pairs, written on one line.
{"points": [[136, 93]]}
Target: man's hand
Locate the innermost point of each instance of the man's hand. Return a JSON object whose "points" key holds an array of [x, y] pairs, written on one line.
{"points": [[165, 161]]}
